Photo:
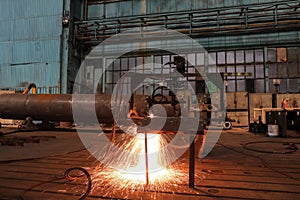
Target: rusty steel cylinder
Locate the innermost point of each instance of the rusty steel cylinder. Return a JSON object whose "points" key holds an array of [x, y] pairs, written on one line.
{"points": [[60, 108], [51, 107]]}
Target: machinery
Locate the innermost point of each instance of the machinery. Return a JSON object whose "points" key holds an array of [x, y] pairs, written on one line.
{"points": [[171, 92], [58, 108], [171, 102]]}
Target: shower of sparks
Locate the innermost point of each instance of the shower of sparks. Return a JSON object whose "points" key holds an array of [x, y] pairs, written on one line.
{"points": [[129, 161], [137, 171]]}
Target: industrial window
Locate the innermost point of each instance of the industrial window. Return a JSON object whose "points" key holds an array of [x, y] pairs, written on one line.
{"points": [[244, 70], [283, 64], [200, 59], [236, 63], [221, 58], [151, 64], [95, 9]]}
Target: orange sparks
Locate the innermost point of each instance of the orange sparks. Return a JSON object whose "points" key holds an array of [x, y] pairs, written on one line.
{"points": [[124, 171], [156, 169]]}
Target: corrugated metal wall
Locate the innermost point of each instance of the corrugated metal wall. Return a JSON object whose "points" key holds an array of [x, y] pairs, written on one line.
{"points": [[30, 42]]}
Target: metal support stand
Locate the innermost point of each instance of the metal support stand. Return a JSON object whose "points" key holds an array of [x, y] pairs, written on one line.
{"points": [[192, 162], [146, 157]]}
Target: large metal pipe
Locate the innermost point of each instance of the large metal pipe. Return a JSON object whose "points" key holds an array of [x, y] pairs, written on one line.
{"points": [[51, 107], [58, 107]]}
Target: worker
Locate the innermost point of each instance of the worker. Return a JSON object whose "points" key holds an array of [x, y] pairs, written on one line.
{"points": [[285, 103]]}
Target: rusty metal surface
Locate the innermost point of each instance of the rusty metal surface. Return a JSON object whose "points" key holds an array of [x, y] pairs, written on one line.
{"points": [[50, 107], [58, 107]]}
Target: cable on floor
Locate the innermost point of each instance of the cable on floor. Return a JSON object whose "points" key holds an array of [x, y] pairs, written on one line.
{"points": [[68, 177], [265, 164], [291, 147]]}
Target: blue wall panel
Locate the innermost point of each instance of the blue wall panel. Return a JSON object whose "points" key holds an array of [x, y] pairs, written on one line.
{"points": [[6, 9], [36, 28], [44, 75], [34, 51], [30, 42], [6, 30], [6, 53], [35, 8]]}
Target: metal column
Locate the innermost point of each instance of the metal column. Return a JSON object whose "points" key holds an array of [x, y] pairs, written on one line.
{"points": [[65, 49]]}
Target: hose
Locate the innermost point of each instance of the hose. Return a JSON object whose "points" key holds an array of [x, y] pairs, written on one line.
{"points": [[292, 147]]}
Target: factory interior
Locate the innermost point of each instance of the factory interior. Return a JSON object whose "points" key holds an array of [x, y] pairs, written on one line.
{"points": [[150, 99]]}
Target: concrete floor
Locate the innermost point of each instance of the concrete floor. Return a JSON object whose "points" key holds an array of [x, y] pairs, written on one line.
{"points": [[229, 172]]}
